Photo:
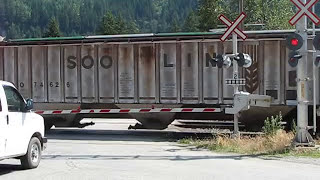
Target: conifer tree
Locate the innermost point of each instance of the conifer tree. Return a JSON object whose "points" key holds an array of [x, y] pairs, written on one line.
{"points": [[109, 24], [53, 29], [191, 23]]}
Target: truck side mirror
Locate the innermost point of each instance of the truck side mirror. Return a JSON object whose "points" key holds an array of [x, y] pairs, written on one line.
{"points": [[29, 105]]}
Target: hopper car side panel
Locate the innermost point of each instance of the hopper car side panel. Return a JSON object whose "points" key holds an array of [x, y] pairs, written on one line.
{"points": [[126, 76], [39, 74], [89, 78], [55, 74], [149, 73]]}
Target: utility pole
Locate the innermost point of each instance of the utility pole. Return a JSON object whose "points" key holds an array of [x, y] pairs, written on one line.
{"points": [[241, 9]]}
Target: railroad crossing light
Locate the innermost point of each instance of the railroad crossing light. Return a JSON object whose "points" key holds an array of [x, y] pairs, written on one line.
{"points": [[219, 60], [223, 61], [244, 60], [227, 62], [316, 42], [294, 42], [317, 61], [294, 57]]}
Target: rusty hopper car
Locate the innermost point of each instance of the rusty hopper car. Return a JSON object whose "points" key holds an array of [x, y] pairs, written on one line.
{"points": [[147, 71]]}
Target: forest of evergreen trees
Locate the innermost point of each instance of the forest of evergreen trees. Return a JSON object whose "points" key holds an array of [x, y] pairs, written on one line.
{"points": [[29, 18], [33, 18]]}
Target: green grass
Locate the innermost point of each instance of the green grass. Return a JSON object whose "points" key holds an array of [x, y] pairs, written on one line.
{"points": [[308, 153]]}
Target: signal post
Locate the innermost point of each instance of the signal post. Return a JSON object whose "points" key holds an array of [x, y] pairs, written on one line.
{"points": [[233, 29], [303, 137]]}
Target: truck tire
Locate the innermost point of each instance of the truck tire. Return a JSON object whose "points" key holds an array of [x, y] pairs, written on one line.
{"points": [[32, 159]]}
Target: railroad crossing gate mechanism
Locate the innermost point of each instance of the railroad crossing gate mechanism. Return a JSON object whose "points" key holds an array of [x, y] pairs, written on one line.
{"points": [[242, 100]]}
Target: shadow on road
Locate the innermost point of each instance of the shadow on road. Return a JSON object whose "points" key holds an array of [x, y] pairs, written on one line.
{"points": [[151, 158], [7, 169], [122, 135]]}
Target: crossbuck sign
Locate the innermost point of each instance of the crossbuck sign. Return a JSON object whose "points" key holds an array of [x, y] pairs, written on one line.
{"points": [[233, 26], [304, 9]]}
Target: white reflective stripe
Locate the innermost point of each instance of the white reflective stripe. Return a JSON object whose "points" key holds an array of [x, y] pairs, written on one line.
{"points": [[135, 110], [146, 110], [85, 111], [48, 112], [176, 110], [66, 112], [114, 110], [198, 110]]}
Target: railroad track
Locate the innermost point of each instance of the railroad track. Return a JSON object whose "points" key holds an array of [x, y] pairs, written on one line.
{"points": [[206, 124]]}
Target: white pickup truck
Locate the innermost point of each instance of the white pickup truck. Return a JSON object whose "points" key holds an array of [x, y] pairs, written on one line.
{"points": [[21, 131]]}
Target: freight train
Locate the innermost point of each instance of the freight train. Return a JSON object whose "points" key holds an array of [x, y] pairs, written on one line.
{"points": [[165, 70]]}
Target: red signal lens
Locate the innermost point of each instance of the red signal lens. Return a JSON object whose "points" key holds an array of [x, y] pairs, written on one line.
{"points": [[294, 42]]}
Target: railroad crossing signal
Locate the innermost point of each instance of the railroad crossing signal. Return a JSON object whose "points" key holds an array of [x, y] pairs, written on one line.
{"points": [[244, 60], [317, 61], [222, 61], [225, 61], [294, 43], [294, 57], [233, 26], [219, 60], [303, 137], [304, 10], [316, 42]]}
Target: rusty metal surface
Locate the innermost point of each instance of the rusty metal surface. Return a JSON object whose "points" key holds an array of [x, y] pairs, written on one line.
{"points": [[189, 73], [54, 75], [168, 73], [88, 69], [146, 75], [210, 73], [272, 70], [38, 64], [10, 73], [126, 76], [24, 72], [106, 74], [71, 62]]}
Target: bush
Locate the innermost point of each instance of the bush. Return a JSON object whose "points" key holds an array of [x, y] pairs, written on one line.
{"points": [[273, 125], [278, 143]]}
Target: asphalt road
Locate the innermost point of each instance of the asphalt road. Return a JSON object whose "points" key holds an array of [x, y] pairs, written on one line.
{"points": [[109, 151]]}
